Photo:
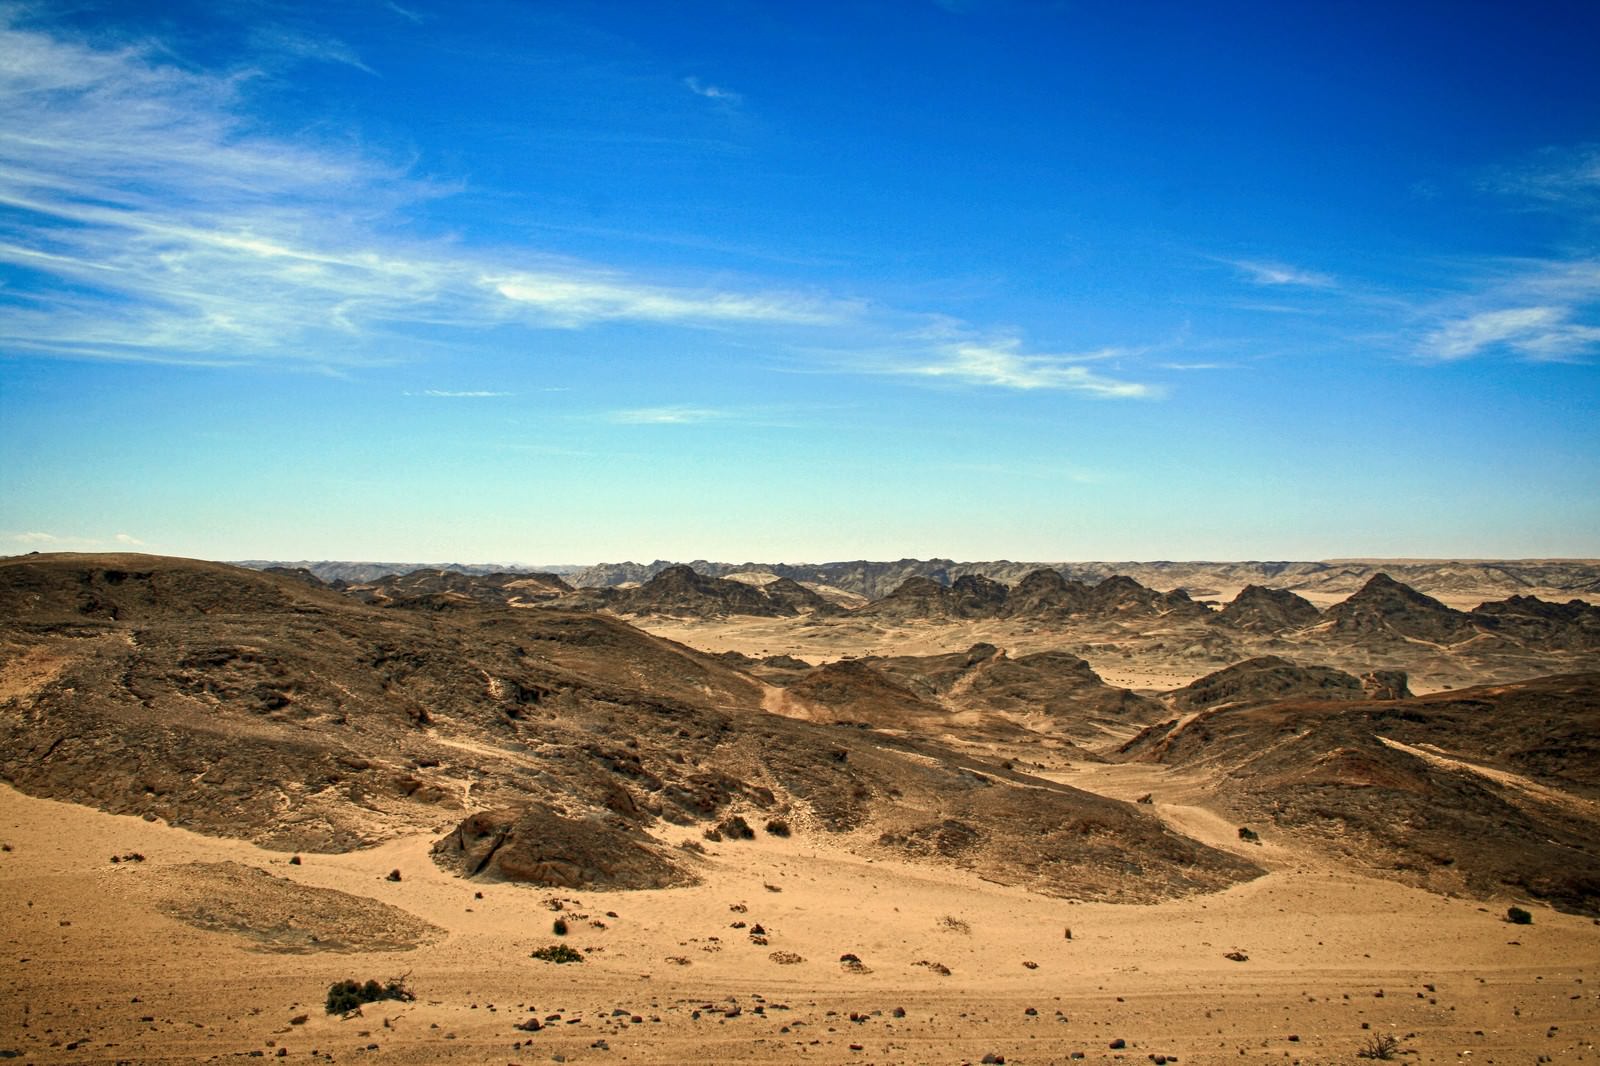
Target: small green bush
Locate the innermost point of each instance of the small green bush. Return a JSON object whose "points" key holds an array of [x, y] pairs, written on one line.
{"points": [[558, 953], [1518, 916], [346, 996]]}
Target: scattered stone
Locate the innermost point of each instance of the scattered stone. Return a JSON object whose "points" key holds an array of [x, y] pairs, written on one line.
{"points": [[1239, 956], [1118, 1044], [394, 875]]}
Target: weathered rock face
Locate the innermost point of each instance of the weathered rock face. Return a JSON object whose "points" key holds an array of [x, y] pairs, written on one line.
{"points": [[536, 846], [1263, 610], [1386, 685]]}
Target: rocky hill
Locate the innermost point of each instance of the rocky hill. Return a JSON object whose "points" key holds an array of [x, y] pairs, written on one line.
{"points": [[1533, 622], [1482, 791], [1267, 610], [1039, 595], [682, 592], [1270, 678], [1385, 609], [434, 589]]}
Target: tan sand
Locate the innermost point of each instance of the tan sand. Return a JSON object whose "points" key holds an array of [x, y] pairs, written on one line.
{"points": [[93, 971]]}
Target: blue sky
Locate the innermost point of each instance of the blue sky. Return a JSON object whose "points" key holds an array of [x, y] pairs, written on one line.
{"points": [[567, 282]]}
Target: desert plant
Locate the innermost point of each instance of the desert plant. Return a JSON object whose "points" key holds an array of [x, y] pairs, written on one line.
{"points": [[346, 996], [1246, 833], [736, 828], [1518, 916], [558, 953], [778, 827], [1379, 1046], [559, 927]]}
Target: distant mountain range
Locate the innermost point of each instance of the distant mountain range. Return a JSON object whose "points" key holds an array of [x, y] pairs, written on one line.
{"points": [[1198, 580]]}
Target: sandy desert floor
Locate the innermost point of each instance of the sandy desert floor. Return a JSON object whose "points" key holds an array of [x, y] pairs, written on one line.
{"points": [[821, 642], [95, 969]]}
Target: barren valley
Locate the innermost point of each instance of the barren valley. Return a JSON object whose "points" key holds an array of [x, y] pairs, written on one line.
{"points": [[881, 816]]}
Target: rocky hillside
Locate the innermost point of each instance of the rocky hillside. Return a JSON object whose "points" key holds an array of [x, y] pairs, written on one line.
{"points": [[555, 742], [1484, 791]]}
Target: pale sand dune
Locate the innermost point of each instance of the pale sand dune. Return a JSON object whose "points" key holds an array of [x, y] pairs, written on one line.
{"points": [[1153, 976]]}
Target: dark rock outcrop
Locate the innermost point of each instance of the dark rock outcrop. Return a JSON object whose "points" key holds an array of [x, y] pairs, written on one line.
{"points": [[1386, 610], [535, 845], [1259, 609]]}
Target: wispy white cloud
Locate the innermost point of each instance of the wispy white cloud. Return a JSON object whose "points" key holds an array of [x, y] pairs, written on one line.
{"points": [[1269, 273], [155, 222], [665, 416], [712, 92], [148, 218], [1560, 178], [1536, 309], [1540, 310], [36, 540], [1199, 366], [1003, 364], [1546, 334], [318, 48], [405, 13], [573, 299]]}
